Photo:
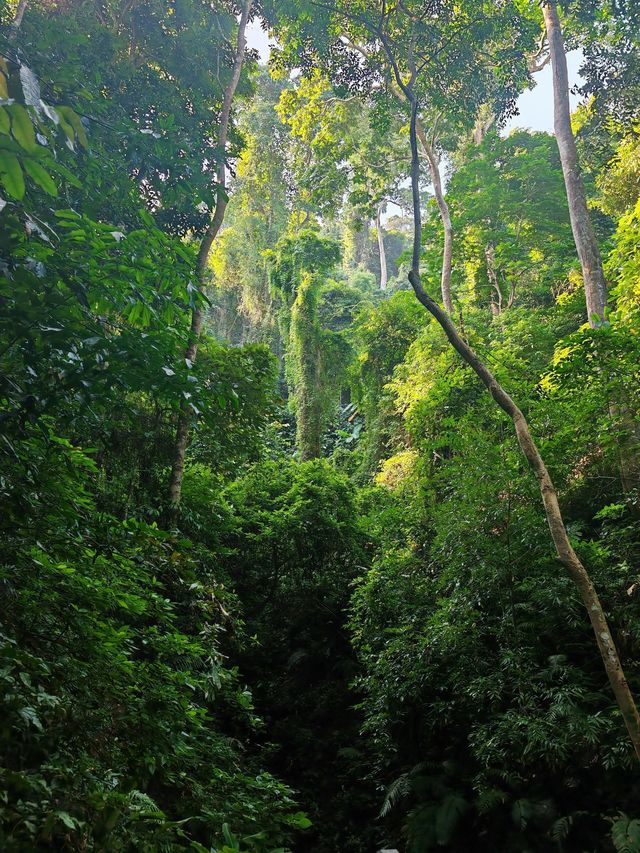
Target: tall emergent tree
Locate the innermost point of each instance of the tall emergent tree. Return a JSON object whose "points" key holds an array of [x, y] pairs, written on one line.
{"points": [[595, 287], [198, 311]]}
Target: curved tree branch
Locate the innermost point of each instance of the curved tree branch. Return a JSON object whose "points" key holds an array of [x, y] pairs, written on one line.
{"points": [[197, 316], [564, 549]]}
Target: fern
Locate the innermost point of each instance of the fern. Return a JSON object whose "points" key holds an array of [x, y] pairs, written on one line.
{"points": [[399, 789], [561, 828], [141, 802], [489, 799], [421, 830], [396, 791], [448, 817]]}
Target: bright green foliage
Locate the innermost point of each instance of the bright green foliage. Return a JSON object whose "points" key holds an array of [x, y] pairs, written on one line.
{"points": [[317, 355], [344, 159], [317, 358], [619, 184], [378, 648], [624, 264], [306, 252], [382, 339], [254, 223], [29, 130], [306, 356], [510, 217]]}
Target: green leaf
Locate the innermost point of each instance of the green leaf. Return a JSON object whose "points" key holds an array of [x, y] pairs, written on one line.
{"points": [[561, 828], [300, 821], [229, 837], [68, 131], [521, 812], [147, 218], [40, 176], [66, 819], [11, 175], [73, 119], [67, 174], [5, 121], [22, 128], [29, 716]]}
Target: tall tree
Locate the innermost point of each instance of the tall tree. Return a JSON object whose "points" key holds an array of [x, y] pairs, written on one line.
{"points": [[586, 243], [510, 212], [197, 315], [565, 551], [300, 265], [445, 216], [384, 277]]}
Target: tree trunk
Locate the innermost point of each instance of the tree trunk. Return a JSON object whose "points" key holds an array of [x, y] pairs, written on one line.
{"points": [[197, 317], [17, 21], [586, 244], [305, 354], [496, 296], [384, 276], [443, 207], [559, 535]]}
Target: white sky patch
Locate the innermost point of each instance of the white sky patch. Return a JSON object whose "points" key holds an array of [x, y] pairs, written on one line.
{"points": [[535, 106], [258, 39]]}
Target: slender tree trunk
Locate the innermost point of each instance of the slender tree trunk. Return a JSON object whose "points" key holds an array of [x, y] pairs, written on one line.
{"points": [[197, 317], [565, 552], [17, 21], [586, 244], [384, 276], [496, 296], [443, 207], [484, 121]]}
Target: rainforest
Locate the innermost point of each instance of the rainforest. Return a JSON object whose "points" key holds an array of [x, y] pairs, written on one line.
{"points": [[320, 426]]}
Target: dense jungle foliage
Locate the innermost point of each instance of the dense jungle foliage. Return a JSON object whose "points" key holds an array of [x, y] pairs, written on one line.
{"points": [[275, 574]]}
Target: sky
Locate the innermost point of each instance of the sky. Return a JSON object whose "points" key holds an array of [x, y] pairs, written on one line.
{"points": [[535, 106]]}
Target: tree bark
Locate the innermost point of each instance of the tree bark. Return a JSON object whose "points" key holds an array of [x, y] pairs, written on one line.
{"points": [[17, 21], [564, 549], [384, 275], [443, 207], [197, 317], [586, 244]]}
